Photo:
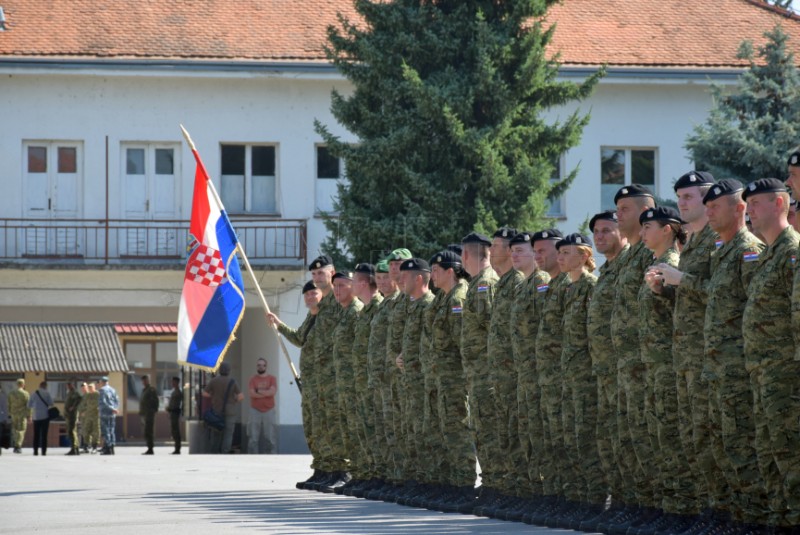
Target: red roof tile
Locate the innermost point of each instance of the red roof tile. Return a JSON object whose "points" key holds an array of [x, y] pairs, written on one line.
{"points": [[146, 328], [672, 33]]}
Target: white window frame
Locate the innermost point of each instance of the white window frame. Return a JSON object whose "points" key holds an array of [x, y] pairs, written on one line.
{"points": [[318, 190], [629, 168], [560, 202], [248, 179]]}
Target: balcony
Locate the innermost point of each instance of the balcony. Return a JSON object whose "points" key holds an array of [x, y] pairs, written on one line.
{"points": [[126, 242]]}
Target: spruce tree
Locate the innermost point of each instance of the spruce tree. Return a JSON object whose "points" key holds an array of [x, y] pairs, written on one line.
{"points": [[446, 105], [751, 130]]}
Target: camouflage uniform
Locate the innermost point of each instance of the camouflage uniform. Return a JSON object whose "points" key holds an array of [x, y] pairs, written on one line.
{"points": [[476, 315], [377, 383], [298, 338], [364, 417], [392, 399], [431, 462], [507, 456], [342, 414], [458, 457], [554, 464], [661, 402], [604, 368], [730, 418], [579, 392], [19, 412], [687, 360], [769, 350], [634, 441], [71, 405], [412, 387], [319, 342], [90, 419], [525, 314]]}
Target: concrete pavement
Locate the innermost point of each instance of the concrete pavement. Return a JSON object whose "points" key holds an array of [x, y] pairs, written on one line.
{"points": [[129, 493]]}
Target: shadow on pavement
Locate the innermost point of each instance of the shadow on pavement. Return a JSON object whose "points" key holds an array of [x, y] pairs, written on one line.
{"points": [[309, 512]]}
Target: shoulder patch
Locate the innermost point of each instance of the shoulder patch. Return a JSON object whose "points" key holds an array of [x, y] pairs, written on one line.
{"points": [[719, 243], [750, 256], [793, 259], [542, 287], [483, 288], [456, 310]]}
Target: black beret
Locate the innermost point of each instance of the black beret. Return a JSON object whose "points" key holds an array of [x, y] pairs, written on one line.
{"points": [[660, 213], [456, 248], [505, 232], [415, 264], [343, 275], [694, 178], [547, 234], [520, 237], [794, 159], [574, 239], [320, 261], [446, 259], [764, 185], [365, 267], [607, 215], [307, 287], [476, 237], [633, 190], [726, 186]]}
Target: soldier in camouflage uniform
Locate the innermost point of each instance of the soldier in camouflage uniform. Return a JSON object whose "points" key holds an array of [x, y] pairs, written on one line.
{"points": [[579, 392], [525, 311], [20, 413], [634, 446], [730, 419], [361, 422], [90, 418], [340, 413], [505, 450], [457, 466], [312, 296], [769, 350], [661, 232], [71, 405], [610, 242], [692, 482], [476, 315]]}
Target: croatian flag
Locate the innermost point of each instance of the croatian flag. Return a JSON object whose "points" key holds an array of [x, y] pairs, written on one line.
{"points": [[212, 301]]}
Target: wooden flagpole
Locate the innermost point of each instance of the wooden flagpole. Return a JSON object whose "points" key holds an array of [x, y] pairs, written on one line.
{"points": [[252, 276]]}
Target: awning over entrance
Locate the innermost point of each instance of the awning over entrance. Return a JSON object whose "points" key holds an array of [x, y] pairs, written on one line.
{"points": [[78, 348]]}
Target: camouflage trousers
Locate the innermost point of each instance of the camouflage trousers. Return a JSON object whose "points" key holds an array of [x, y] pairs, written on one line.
{"points": [[457, 444], [555, 465], [378, 445], [512, 463], [690, 396], [482, 412], [635, 446], [326, 424], [365, 429], [346, 414], [661, 411], [776, 395], [108, 428], [432, 462], [392, 425], [90, 431], [529, 428], [579, 417], [308, 403], [621, 490], [19, 424]]}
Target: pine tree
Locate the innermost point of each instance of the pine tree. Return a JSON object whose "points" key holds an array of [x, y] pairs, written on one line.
{"points": [[750, 131], [446, 104]]}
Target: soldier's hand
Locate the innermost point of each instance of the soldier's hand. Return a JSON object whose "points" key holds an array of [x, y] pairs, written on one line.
{"points": [[669, 275], [653, 279], [273, 319]]}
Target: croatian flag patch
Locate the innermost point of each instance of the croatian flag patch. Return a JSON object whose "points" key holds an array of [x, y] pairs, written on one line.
{"points": [[542, 288], [483, 288], [719, 243], [456, 310], [752, 256]]}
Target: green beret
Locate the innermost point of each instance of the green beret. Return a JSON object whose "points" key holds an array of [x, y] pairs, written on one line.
{"points": [[399, 254], [382, 266]]}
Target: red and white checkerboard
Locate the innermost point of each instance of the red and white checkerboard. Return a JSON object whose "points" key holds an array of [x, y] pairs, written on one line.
{"points": [[205, 266]]}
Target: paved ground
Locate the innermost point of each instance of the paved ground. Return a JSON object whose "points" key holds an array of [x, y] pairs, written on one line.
{"points": [[134, 494]]}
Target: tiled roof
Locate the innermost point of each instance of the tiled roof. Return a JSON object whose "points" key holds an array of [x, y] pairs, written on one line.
{"points": [[146, 328], [670, 33], [60, 348]]}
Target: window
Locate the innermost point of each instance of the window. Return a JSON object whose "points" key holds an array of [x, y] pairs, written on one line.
{"points": [[557, 206], [620, 166], [248, 179], [329, 174]]}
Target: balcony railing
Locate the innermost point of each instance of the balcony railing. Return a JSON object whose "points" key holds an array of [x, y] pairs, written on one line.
{"points": [[127, 241]]}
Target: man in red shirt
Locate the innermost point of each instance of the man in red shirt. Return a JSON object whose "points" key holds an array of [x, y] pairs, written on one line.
{"points": [[263, 388]]}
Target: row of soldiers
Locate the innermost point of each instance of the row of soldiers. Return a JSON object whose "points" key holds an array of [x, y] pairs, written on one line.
{"points": [[80, 407], [661, 396]]}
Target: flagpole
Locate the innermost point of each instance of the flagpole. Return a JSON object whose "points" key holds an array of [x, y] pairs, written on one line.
{"points": [[252, 275]]}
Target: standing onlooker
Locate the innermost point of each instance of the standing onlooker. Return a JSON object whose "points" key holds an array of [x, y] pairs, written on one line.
{"points": [[71, 405], [89, 413], [40, 402], [222, 441], [108, 403], [19, 411], [148, 407], [175, 409], [263, 388], [4, 417]]}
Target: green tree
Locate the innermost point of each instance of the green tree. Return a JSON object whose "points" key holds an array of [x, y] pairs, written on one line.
{"points": [[446, 104], [750, 131]]}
